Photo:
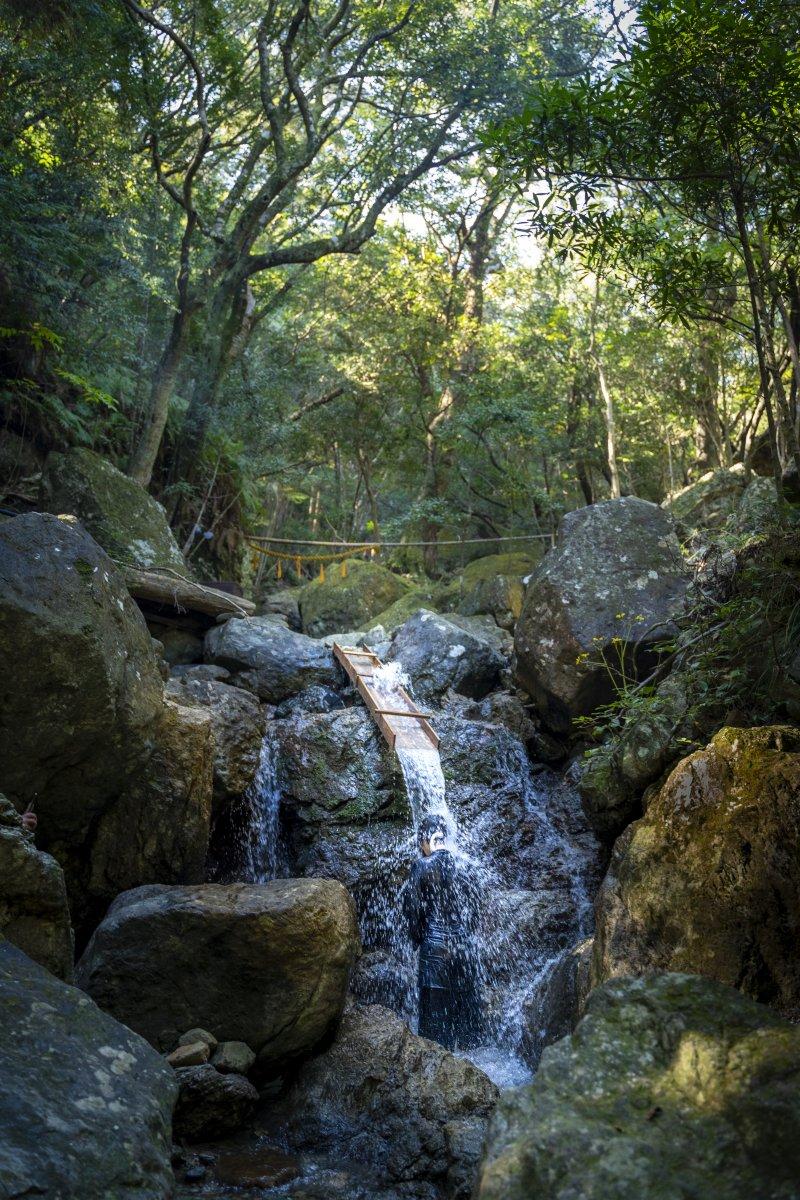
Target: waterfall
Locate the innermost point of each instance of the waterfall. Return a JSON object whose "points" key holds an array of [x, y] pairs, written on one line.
{"points": [[262, 801]]}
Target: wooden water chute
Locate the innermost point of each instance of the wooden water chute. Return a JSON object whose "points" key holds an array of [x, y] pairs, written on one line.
{"points": [[393, 710]]}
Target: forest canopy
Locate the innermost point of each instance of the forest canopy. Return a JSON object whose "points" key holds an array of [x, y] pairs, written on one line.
{"points": [[418, 271]]}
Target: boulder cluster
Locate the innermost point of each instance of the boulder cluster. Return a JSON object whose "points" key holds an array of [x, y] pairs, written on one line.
{"points": [[163, 1017]]}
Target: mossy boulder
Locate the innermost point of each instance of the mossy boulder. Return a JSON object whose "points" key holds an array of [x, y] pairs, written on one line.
{"points": [[708, 881], [86, 1105], [121, 516], [267, 964], [597, 606], [398, 613], [671, 1086], [494, 584], [84, 728], [709, 501], [351, 600]]}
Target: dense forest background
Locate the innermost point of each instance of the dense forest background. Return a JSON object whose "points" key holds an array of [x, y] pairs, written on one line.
{"points": [[400, 269]]}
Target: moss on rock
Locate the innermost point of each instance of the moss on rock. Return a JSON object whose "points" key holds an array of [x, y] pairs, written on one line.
{"points": [[671, 1086], [350, 601], [708, 881]]}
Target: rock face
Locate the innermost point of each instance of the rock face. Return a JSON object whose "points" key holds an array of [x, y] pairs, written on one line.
{"points": [[121, 780], [709, 501], [237, 726], [609, 591], [34, 913], [211, 1104], [119, 514], [670, 1086], [267, 965], [437, 655], [349, 601], [264, 655], [86, 1104], [708, 880], [392, 1101]]}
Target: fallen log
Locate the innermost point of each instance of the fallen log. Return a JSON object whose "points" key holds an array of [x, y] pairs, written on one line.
{"points": [[184, 595]]}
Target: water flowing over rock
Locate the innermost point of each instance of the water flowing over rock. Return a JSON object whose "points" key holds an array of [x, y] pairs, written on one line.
{"points": [[394, 1102], [348, 815], [123, 518], [708, 881], [348, 601], [266, 965], [436, 655], [598, 603], [266, 657], [121, 780], [671, 1085], [86, 1104], [34, 913]]}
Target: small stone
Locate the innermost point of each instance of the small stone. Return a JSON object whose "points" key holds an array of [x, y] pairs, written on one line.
{"points": [[193, 1055], [195, 1174], [233, 1058], [207, 1158], [198, 1035]]}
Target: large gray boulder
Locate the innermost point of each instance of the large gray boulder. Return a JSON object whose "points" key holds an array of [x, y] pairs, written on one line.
{"points": [[671, 1086], [391, 1101], [268, 964], [601, 601], [86, 1105], [121, 516], [34, 913], [84, 729], [237, 728], [437, 655], [267, 657], [708, 880]]}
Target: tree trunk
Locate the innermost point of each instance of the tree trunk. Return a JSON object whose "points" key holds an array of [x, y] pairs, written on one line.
{"points": [[611, 430]]}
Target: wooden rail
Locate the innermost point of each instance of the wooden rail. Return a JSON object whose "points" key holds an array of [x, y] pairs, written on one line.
{"points": [[393, 710]]}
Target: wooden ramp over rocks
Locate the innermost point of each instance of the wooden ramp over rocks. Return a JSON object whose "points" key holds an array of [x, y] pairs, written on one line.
{"points": [[395, 713]]}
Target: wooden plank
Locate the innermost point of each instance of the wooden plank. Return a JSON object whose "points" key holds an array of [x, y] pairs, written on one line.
{"points": [[391, 707], [184, 595]]}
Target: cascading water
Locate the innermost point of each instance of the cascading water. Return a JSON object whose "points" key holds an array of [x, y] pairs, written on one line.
{"points": [[262, 801], [521, 838]]}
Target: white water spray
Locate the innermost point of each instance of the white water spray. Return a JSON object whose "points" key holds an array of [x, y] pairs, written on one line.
{"points": [[263, 801]]}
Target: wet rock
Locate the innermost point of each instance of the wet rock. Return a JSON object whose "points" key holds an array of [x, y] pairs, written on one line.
{"points": [[34, 913], [121, 516], [317, 699], [289, 947], [494, 584], [233, 1058], [190, 1054], [259, 1167], [336, 767], [237, 726], [671, 1085], [608, 594], [84, 729], [709, 501], [210, 1104], [554, 1009], [348, 601], [708, 880], [393, 1102], [86, 1104], [437, 655], [265, 656], [510, 711]]}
